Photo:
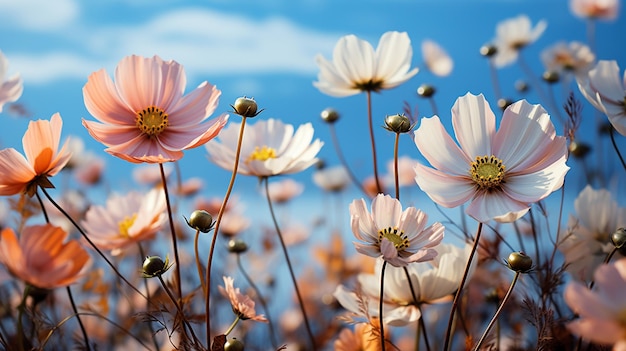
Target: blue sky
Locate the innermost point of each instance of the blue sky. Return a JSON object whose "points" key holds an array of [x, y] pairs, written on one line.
{"points": [[266, 49]]}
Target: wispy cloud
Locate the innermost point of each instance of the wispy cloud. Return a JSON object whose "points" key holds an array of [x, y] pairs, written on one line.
{"points": [[204, 41]]}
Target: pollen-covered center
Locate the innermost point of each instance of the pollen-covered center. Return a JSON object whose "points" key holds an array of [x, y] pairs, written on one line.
{"points": [[487, 172], [151, 120], [125, 224], [397, 237], [263, 153]]}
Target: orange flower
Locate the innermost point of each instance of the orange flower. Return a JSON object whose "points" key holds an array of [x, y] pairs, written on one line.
{"points": [[19, 174], [41, 258]]}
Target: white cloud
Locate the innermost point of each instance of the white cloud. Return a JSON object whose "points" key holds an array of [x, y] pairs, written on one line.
{"points": [[38, 15], [206, 42]]}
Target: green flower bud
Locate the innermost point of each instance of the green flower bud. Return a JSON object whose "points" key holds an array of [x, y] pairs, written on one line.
{"points": [[550, 77], [398, 123], [201, 220], [519, 262], [504, 103], [618, 238], [426, 90], [578, 149], [329, 115], [488, 50], [154, 266], [233, 345], [246, 107], [237, 246]]}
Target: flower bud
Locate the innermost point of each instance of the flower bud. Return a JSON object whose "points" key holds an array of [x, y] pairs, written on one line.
{"points": [[550, 77], [519, 262], [488, 50], [618, 238], [504, 103], [398, 123], [426, 90], [201, 220], [233, 345], [521, 86], [237, 246], [329, 115], [578, 149], [245, 107], [154, 266]]}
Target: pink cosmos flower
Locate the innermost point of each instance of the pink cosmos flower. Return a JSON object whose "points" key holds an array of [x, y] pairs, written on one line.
{"points": [[605, 89], [595, 9], [499, 172], [436, 59], [144, 115], [284, 190], [19, 174], [399, 236], [512, 35], [601, 310], [357, 67], [41, 257], [126, 220], [243, 306], [574, 57], [10, 89]]}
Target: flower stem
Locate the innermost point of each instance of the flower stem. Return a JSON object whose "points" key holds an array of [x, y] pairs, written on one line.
{"points": [[433, 106], [459, 291], [20, 314], [395, 166], [173, 234], [619, 154], [293, 277], [494, 79], [207, 290], [80, 322], [371, 127], [198, 263], [380, 306], [84, 235], [261, 300], [179, 309], [232, 326], [152, 332], [342, 159], [495, 316], [422, 325]]}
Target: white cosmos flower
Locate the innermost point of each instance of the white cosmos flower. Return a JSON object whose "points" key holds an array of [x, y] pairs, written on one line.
{"points": [[357, 67], [605, 89], [269, 147], [431, 281], [11, 88], [563, 57], [436, 58], [332, 179], [512, 35]]}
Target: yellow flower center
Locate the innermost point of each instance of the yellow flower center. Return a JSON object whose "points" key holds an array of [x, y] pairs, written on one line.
{"points": [[125, 224], [262, 154], [487, 172], [397, 238], [151, 120]]}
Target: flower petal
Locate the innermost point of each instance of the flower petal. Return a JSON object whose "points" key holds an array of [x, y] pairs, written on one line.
{"points": [[474, 125]]}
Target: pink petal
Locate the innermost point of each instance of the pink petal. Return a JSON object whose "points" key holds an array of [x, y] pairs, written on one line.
{"points": [[487, 206], [354, 59], [597, 330], [386, 211], [474, 125], [605, 79], [111, 135], [446, 190], [529, 188], [142, 149], [361, 222], [181, 138], [103, 101], [194, 107], [15, 172], [371, 250], [439, 149]]}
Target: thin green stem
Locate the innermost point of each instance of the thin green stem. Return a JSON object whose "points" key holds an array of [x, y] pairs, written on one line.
{"points": [[459, 291], [395, 166], [84, 235], [80, 322], [495, 316], [207, 290], [198, 263], [179, 289], [380, 306], [152, 332], [261, 300], [232, 326], [619, 154], [371, 128], [291, 273]]}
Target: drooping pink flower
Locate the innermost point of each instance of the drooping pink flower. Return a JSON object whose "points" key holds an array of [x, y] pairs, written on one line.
{"points": [[601, 310], [500, 172], [19, 174], [41, 257], [11, 88], [243, 306], [400, 237], [144, 115]]}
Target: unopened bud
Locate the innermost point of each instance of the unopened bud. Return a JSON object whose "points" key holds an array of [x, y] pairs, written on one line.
{"points": [[488, 50], [426, 90], [504, 103], [233, 345], [237, 246], [154, 266], [578, 149], [550, 77], [330, 115], [246, 107], [398, 123], [201, 220], [519, 262], [618, 238]]}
